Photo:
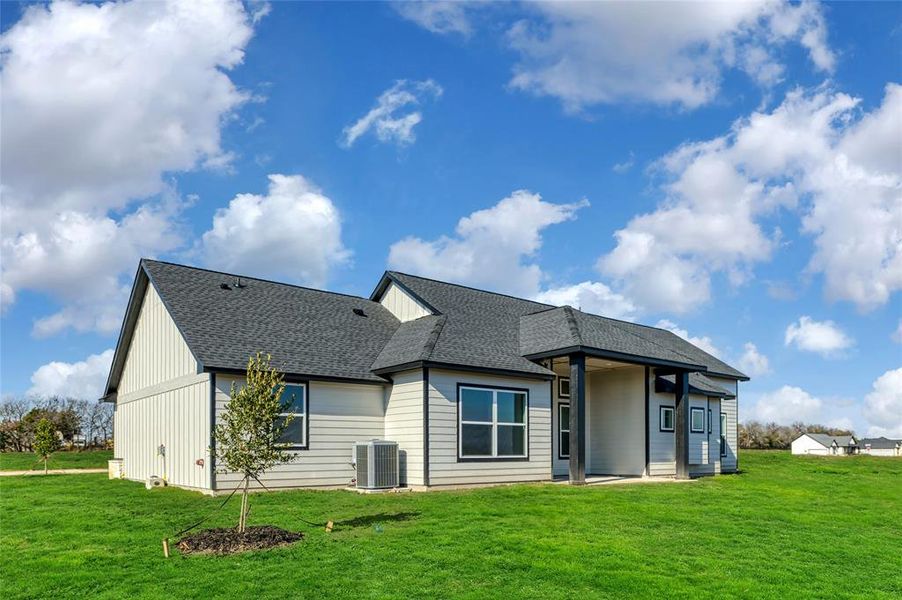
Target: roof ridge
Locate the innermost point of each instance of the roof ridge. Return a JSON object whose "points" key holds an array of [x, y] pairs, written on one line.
{"points": [[250, 277], [573, 325], [429, 346], [474, 289]]}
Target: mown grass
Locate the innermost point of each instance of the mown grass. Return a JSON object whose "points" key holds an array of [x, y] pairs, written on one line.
{"points": [[787, 527], [27, 461]]}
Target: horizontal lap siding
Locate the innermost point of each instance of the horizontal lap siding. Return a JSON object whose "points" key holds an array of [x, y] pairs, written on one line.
{"points": [[340, 414], [444, 468], [177, 419], [661, 444], [730, 407], [616, 420], [404, 424], [157, 352]]}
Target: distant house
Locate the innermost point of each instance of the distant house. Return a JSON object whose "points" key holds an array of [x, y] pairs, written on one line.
{"points": [[881, 446], [475, 387], [824, 444]]}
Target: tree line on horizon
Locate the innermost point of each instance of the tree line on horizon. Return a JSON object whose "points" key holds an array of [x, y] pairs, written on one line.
{"points": [[78, 423], [755, 435]]}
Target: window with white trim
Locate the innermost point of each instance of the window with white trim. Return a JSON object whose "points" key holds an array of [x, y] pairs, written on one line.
{"points": [[697, 420], [294, 404], [665, 419], [563, 387], [492, 422], [563, 430]]}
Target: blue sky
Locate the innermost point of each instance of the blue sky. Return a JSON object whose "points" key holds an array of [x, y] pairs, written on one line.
{"points": [[729, 171]]}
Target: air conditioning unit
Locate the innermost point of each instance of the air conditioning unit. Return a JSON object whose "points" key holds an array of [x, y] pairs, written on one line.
{"points": [[376, 463]]}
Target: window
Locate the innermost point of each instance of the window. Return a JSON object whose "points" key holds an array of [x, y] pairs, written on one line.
{"points": [[710, 420], [723, 434], [697, 420], [294, 403], [563, 429], [666, 418], [492, 423], [563, 387]]}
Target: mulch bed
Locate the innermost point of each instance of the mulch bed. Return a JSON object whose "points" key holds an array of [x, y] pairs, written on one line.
{"points": [[229, 541]]}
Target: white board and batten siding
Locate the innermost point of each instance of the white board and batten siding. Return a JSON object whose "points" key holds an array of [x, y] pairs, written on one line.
{"points": [[615, 419], [401, 304], [340, 414], [444, 466], [404, 423], [162, 401]]}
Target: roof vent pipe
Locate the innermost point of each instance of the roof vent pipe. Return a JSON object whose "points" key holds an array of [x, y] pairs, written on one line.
{"points": [[224, 286]]}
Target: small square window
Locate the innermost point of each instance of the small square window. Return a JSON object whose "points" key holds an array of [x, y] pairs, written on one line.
{"points": [[697, 420], [666, 418], [563, 387]]}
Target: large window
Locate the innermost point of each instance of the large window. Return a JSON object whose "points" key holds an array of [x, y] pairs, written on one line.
{"points": [[697, 420], [723, 434], [666, 418], [492, 422], [563, 429], [294, 403]]}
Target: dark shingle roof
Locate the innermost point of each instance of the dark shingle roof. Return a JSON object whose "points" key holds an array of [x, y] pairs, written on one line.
{"points": [[698, 384], [317, 334], [881, 443], [565, 327], [307, 332], [482, 328], [827, 440]]}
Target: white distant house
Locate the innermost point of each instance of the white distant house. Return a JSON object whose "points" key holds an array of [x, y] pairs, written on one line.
{"points": [[881, 447], [824, 444], [474, 387]]}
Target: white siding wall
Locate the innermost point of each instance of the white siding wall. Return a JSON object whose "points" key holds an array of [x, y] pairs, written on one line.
{"points": [[729, 463], [616, 420], [444, 468], [808, 445], [662, 448], [174, 415], [157, 352], [402, 305], [404, 423], [340, 414]]}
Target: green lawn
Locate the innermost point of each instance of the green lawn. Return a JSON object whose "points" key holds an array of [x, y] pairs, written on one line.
{"points": [[787, 527], [27, 461]]}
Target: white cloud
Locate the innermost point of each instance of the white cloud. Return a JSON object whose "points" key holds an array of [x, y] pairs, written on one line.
{"points": [[490, 246], [705, 343], [592, 297], [83, 379], [624, 167], [437, 16], [293, 231], [100, 102], [809, 155], [822, 337], [896, 336], [587, 53], [883, 406], [393, 117], [787, 405], [752, 362]]}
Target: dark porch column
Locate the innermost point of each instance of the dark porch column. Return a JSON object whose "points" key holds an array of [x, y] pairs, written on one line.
{"points": [[681, 424], [577, 419]]}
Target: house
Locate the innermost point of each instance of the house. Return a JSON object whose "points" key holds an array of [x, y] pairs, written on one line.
{"points": [[881, 446], [824, 444], [476, 387]]}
